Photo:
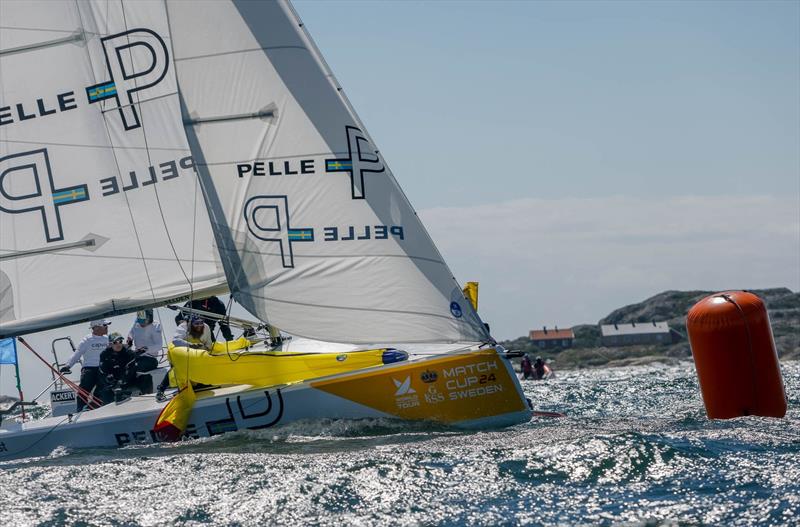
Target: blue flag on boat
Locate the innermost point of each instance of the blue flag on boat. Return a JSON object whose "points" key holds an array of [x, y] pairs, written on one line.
{"points": [[8, 351]]}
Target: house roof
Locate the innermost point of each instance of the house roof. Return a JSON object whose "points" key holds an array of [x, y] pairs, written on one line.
{"points": [[637, 328], [551, 334]]}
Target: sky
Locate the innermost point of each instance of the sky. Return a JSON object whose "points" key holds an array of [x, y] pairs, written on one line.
{"points": [[575, 157]]}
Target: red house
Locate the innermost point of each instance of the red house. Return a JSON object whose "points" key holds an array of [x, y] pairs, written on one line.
{"points": [[552, 338]]}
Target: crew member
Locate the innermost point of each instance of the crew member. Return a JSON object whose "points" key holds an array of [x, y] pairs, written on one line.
{"points": [[192, 333], [88, 353], [145, 336], [527, 368], [117, 367], [539, 368], [211, 304]]}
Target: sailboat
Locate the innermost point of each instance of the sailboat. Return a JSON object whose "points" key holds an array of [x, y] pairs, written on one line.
{"points": [[154, 152]]}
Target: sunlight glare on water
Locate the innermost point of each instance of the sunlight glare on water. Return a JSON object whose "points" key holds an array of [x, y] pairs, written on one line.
{"points": [[635, 448]]}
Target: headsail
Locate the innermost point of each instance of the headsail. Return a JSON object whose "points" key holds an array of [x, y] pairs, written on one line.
{"points": [[98, 194], [315, 234]]}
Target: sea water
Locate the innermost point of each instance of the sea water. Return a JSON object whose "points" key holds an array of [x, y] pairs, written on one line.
{"points": [[635, 448]]}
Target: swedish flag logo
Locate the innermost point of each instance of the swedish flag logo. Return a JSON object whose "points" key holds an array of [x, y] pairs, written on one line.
{"points": [[100, 92], [338, 165], [301, 235], [70, 195]]}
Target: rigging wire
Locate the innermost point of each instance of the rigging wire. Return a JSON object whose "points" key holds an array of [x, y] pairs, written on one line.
{"points": [[87, 397]]}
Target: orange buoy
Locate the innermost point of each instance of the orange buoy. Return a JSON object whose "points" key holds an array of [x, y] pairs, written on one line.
{"points": [[734, 354]]}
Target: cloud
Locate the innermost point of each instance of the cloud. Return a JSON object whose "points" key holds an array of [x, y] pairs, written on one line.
{"points": [[568, 261]]}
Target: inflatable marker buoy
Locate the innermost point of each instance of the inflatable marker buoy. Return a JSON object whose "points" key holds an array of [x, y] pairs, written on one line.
{"points": [[735, 357]]}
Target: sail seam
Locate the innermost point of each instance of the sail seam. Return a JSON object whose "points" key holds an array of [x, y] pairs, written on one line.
{"points": [[346, 308], [6, 256], [139, 102], [364, 256], [79, 145], [238, 51]]}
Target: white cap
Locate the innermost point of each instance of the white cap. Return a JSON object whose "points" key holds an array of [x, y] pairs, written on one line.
{"points": [[99, 322]]}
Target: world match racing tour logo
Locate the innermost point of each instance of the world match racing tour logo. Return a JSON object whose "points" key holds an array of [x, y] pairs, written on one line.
{"points": [[32, 171]]}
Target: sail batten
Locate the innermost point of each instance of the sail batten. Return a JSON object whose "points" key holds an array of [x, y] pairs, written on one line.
{"points": [[78, 37]]}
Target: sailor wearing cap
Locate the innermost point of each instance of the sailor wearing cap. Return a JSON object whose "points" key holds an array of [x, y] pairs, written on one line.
{"points": [[88, 353], [193, 333]]}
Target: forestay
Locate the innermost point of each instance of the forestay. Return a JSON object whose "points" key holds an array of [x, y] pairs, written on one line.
{"points": [[98, 191], [315, 234]]}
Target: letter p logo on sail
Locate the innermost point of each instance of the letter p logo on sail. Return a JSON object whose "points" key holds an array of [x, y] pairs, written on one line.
{"points": [[136, 59], [30, 177], [362, 158], [267, 219]]}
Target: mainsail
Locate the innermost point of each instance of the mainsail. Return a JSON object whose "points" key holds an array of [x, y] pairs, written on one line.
{"points": [[114, 115], [314, 232], [98, 196]]}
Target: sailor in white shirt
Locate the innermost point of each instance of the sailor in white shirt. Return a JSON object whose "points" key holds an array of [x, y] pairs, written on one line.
{"points": [[193, 333], [145, 335], [88, 353]]}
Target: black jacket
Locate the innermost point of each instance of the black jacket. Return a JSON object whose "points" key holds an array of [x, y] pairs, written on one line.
{"points": [[211, 304], [119, 364]]}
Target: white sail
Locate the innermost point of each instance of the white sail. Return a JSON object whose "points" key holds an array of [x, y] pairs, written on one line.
{"points": [[315, 234], [100, 209]]}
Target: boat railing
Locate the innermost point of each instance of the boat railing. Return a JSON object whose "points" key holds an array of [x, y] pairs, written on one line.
{"points": [[59, 383]]}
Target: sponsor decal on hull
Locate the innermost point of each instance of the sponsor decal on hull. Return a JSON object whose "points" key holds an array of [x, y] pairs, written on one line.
{"points": [[453, 389]]}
